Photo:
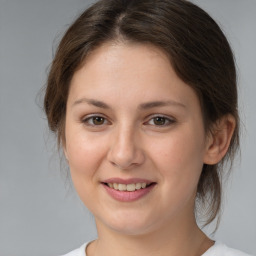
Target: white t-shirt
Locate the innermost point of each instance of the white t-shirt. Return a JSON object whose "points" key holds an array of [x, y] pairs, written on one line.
{"points": [[218, 249]]}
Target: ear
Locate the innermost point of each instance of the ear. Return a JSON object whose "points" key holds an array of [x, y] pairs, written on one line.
{"points": [[218, 140], [64, 148], [65, 152]]}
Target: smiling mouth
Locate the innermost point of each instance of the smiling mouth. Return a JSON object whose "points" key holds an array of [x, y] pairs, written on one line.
{"points": [[129, 187]]}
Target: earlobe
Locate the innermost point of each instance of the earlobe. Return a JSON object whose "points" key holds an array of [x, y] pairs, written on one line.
{"points": [[64, 149], [219, 139], [65, 153]]}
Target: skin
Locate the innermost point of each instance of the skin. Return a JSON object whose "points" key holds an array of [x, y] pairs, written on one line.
{"points": [[116, 83]]}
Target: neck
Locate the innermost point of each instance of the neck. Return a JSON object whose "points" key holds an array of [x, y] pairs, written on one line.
{"points": [[175, 239]]}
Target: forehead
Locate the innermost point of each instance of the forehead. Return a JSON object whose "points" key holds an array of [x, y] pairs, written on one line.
{"points": [[134, 69], [135, 57]]}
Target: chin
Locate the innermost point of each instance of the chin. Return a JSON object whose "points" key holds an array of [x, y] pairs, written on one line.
{"points": [[128, 223]]}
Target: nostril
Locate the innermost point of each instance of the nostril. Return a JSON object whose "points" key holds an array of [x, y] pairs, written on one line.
{"points": [[125, 155], [123, 166]]}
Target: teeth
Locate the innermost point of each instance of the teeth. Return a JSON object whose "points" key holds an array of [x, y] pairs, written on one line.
{"points": [[138, 186], [128, 187], [143, 185], [122, 187]]}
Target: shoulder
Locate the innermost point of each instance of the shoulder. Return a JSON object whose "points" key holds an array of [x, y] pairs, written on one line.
{"points": [[77, 252], [220, 249]]}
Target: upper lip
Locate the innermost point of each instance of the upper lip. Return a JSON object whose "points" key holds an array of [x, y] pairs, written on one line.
{"points": [[127, 181]]}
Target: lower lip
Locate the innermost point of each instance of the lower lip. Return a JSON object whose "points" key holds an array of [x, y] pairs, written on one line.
{"points": [[128, 196]]}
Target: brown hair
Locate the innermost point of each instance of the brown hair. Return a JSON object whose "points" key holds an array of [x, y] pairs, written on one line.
{"points": [[198, 51]]}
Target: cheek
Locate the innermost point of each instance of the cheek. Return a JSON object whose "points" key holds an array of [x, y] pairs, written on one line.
{"points": [[84, 156], [180, 159]]}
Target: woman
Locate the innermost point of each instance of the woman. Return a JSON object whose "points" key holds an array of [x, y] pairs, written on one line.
{"points": [[143, 98]]}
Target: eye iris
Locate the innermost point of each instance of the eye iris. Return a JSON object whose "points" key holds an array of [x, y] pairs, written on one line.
{"points": [[159, 120], [98, 120]]}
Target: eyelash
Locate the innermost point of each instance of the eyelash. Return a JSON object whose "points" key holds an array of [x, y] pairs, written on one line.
{"points": [[167, 121], [91, 118]]}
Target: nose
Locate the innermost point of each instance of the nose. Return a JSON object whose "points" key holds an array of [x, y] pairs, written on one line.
{"points": [[125, 151]]}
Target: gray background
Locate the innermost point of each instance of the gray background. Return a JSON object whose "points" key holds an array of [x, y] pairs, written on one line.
{"points": [[40, 213]]}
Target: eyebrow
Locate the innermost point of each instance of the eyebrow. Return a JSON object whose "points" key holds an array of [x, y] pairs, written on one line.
{"points": [[154, 104], [143, 106], [96, 103]]}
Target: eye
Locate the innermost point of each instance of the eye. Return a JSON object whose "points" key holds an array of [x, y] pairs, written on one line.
{"points": [[160, 121], [95, 121]]}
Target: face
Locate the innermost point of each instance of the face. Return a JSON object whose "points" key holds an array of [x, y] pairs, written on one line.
{"points": [[134, 139]]}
